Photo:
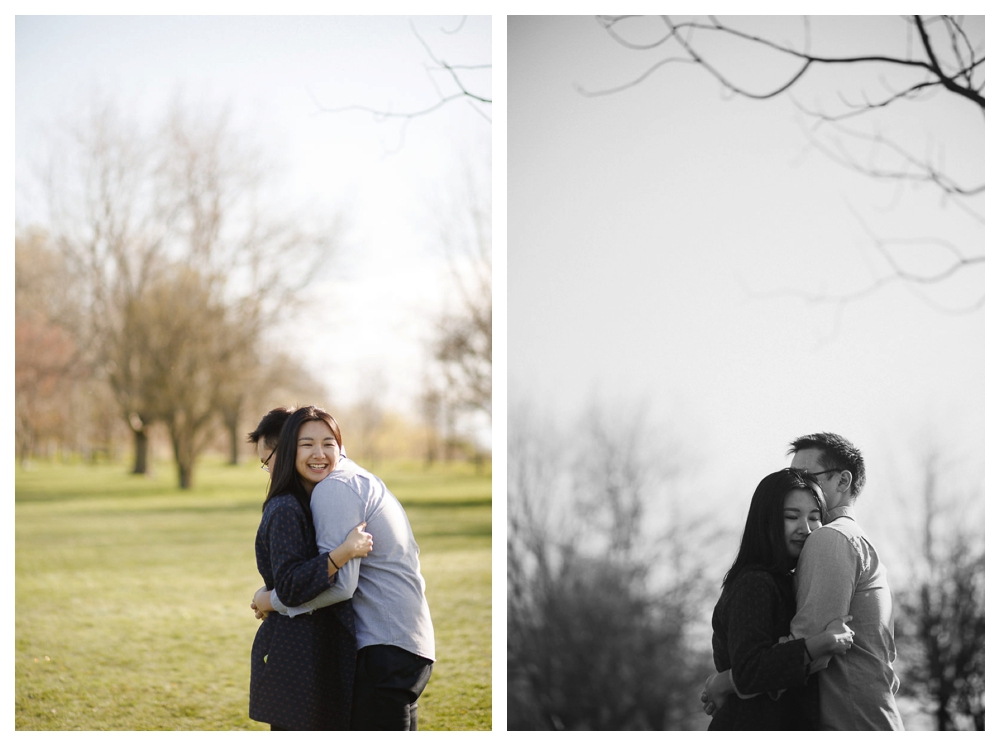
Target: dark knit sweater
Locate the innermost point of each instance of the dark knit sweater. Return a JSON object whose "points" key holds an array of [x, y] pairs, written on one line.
{"points": [[751, 615]]}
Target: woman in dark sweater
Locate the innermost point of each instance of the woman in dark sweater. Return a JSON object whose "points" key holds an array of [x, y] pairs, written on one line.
{"points": [[302, 668], [756, 608]]}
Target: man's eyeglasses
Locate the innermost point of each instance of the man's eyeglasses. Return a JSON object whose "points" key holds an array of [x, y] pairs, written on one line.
{"points": [[264, 465], [812, 473]]}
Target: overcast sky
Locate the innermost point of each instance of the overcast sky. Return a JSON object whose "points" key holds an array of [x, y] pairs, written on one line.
{"points": [[641, 226], [389, 277]]}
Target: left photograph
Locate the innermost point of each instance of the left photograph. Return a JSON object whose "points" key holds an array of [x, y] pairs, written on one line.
{"points": [[253, 373]]}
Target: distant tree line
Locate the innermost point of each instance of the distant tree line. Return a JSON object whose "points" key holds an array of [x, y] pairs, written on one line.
{"points": [[602, 608], [147, 297]]}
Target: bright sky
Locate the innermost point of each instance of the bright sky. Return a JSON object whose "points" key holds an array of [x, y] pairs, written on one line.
{"points": [[389, 276], [638, 222]]}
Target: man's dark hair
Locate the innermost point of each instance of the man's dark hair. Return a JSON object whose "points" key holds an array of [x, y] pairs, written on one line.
{"points": [[269, 427], [836, 452]]}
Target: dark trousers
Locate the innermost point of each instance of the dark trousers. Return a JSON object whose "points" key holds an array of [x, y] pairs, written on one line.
{"points": [[387, 683]]}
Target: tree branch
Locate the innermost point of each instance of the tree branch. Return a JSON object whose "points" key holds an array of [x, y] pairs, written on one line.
{"points": [[931, 65], [898, 273], [935, 67], [926, 172], [463, 90], [956, 71]]}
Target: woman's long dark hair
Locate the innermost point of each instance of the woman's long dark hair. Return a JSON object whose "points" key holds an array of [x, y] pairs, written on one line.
{"points": [[285, 479], [763, 543]]}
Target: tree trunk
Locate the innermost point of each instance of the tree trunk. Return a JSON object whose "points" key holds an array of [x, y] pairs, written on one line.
{"points": [[184, 473], [24, 452], [25, 439], [183, 455], [234, 441], [141, 452]]}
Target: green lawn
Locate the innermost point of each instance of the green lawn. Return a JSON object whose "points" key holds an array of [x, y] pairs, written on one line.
{"points": [[132, 597]]}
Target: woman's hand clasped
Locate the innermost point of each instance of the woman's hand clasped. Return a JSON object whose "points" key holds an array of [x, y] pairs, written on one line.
{"points": [[358, 541], [261, 603], [715, 693], [841, 637]]}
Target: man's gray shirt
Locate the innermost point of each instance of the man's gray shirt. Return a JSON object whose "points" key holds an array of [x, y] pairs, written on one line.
{"points": [[839, 573], [387, 587]]}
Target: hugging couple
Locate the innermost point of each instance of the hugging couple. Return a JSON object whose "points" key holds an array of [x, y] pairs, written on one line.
{"points": [[803, 630], [346, 641]]}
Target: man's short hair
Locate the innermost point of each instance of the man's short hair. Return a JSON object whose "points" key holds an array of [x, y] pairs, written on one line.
{"points": [[269, 427], [836, 452]]}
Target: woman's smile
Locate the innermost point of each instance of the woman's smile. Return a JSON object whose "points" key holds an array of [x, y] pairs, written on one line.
{"points": [[317, 452]]}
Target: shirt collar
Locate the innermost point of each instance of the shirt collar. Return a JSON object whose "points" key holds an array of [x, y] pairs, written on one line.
{"points": [[841, 511]]}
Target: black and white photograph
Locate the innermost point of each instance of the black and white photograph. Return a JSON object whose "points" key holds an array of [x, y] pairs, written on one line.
{"points": [[746, 373]]}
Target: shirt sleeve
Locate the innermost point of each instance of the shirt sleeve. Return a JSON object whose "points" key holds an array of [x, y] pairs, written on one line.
{"points": [[298, 574], [826, 579], [758, 664], [336, 509], [342, 587]]}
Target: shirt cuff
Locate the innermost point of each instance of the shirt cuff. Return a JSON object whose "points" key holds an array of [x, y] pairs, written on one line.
{"points": [[819, 663], [276, 603]]}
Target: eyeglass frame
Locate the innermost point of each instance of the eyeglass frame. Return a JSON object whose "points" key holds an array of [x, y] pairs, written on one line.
{"points": [[264, 465], [810, 473]]}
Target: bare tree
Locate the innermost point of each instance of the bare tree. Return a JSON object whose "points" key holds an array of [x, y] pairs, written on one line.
{"points": [[931, 57], [104, 214], [463, 343], [127, 210], [181, 334], [945, 59], [461, 82], [463, 338], [941, 623], [599, 636], [234, 395], [256, 262]]}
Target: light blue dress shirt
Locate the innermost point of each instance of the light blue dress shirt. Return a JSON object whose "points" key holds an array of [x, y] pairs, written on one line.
{"points": [[388, 590]]}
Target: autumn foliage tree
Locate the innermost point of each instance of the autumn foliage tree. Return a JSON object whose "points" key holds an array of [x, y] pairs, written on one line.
{"points": [[47, 360]]}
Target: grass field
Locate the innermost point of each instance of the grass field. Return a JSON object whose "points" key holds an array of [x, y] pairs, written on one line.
{"points": [[132, 597]]}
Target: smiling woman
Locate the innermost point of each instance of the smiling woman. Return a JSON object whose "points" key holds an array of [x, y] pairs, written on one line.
{"points": [[317, 452], [302, 668]]}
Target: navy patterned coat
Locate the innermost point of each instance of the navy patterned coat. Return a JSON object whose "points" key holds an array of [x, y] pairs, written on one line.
{"points": [[750, 616], [301, 668]]}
